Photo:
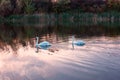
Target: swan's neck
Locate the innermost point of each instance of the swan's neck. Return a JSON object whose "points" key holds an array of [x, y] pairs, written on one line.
{"points": [[73, 42], [72, 39], [37, 40]]}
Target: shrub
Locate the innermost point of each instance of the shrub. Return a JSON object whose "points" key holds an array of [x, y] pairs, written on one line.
{"points": [[29, 7]]}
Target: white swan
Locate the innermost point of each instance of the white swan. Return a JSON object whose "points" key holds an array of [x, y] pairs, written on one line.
{"points": [[42, 45], [77, 43]]}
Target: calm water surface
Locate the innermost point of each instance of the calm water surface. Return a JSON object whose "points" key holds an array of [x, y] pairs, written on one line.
{"points": [[99, 59]]}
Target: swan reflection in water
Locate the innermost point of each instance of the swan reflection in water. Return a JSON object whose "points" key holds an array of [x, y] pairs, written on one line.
{"points": [[42, 45]]}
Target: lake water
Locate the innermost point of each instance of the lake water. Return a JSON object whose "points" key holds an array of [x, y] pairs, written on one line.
{"points": [[99, 59]]}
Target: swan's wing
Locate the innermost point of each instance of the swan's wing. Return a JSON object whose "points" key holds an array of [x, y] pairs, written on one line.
{"points": [[45, 43], [79, 43]]}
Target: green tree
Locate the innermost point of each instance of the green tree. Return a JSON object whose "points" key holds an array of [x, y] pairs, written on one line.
{"points": [[29, 7]]}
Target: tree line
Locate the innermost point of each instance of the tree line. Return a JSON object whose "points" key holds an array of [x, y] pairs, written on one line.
{"points": [[8, 7]]}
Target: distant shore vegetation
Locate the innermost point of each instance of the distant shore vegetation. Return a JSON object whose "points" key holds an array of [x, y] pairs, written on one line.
{"points": [[16, 7]]}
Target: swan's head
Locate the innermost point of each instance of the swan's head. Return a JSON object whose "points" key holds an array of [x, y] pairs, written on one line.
{"points": [[37, 38]]}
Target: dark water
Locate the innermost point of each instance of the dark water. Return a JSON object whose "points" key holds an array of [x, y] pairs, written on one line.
{"points": [[13, 35], [97, 60]]}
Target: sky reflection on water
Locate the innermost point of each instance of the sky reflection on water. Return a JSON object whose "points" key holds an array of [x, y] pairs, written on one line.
{"points": [[90, 62]]}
